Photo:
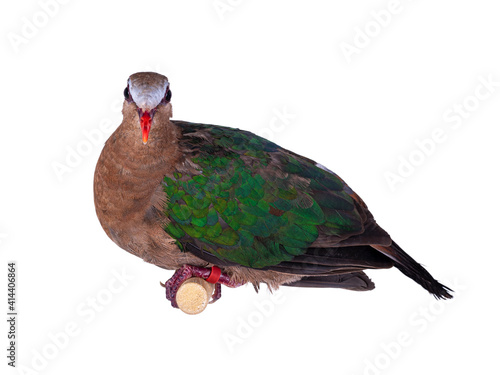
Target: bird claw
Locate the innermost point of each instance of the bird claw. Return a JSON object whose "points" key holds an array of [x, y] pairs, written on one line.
{"points": [[186, 272], [217, 293]]}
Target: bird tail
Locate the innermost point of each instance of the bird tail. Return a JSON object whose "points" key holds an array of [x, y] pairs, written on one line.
{"points": [[408, 266]]}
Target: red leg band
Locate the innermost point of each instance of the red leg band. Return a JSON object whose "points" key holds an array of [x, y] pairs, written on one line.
{"points": [[214, 275]]}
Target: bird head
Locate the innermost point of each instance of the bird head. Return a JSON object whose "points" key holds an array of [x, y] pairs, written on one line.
{"points": [[149, 92]]}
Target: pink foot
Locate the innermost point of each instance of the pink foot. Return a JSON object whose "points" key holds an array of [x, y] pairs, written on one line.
{"points": [[187, 271]]}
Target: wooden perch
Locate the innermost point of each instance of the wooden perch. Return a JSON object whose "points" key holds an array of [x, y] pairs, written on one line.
{"points": [[193, 295]]}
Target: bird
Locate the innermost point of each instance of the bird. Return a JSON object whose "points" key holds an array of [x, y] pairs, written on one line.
{"points": [[232, 207]]}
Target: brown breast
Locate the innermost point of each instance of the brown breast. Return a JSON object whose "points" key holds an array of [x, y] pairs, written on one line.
{"points": [[128, 195]]}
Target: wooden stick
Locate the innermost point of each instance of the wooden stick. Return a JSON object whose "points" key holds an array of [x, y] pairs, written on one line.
{"points": [[193, 295]]}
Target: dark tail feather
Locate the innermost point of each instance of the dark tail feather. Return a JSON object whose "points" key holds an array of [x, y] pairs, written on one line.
{"points": [[352, 281], [408, 266]]}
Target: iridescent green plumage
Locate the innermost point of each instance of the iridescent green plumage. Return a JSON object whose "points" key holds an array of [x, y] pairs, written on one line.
{"points": [[246, 200]]}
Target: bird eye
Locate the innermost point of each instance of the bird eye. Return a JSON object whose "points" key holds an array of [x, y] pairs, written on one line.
{"points": [[168, 95], [126, 94]]}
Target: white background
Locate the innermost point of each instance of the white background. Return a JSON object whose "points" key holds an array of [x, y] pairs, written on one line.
{"points": [[239, 67]]}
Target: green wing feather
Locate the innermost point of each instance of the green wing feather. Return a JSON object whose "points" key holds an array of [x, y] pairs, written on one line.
{"points": [[246, 200]]}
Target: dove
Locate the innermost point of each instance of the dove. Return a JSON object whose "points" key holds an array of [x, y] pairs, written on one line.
{"points": [[233, 208]]}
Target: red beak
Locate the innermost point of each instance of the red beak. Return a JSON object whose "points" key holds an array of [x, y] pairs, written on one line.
{"points": [[145, 126]]}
